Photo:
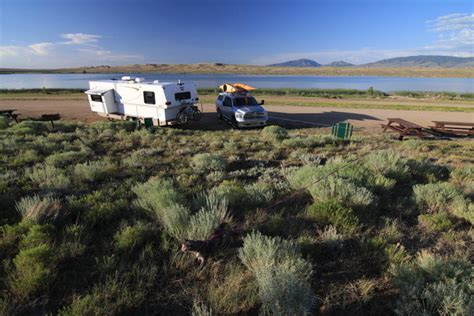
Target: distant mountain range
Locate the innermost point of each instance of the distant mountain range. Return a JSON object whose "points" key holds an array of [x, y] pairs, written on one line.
{"points": [[339, 63], [410, 61], [298, 63], [425, 61]]}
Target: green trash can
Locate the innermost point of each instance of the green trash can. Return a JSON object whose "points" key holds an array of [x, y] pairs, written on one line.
{"points": [[148, 122], [342, 130]]}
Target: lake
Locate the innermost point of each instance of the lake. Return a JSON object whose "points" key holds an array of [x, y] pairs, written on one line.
{"points": [[387, 84]]}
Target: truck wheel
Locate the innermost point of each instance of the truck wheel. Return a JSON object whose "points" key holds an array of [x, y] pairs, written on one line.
{"points": [[234, 123]]}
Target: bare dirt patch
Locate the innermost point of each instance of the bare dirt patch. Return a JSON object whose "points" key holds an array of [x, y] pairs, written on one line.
{"points": [[78, 110]]}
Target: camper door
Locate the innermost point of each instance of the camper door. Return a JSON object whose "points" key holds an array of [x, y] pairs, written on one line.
{"points": [[102, 101]]}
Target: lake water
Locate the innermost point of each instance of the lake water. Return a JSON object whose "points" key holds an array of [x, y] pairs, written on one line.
{"points": [[387, 84]]}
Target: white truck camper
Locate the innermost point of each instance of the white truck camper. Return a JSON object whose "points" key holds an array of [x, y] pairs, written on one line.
{"points": [[134, 99]]}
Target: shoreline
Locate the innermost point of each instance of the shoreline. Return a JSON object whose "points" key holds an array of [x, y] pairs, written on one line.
{"points": [[211, 69]]}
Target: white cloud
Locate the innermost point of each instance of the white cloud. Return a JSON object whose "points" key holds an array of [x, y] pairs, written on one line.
{"points": [[455, 33], [80, 50], [107, 55], [9, 51], [41, 48], [452, 22], [80, 38]]}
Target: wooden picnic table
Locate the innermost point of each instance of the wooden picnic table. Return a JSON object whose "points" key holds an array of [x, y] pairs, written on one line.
{"points": [[403, 128], [51, 118], [9, 113], [454, 128]]}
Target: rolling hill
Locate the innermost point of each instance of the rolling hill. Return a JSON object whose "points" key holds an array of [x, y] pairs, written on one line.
{"points": [[339, 63], [298, 63], [424, 61]]}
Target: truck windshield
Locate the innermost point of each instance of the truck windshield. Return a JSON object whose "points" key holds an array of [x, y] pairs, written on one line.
{"points": [[245, 101]]}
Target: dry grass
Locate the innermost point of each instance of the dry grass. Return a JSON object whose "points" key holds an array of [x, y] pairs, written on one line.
{"points": [[263, 70]]}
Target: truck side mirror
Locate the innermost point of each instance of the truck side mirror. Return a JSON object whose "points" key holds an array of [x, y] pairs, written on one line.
{"points": [[262, 103]]}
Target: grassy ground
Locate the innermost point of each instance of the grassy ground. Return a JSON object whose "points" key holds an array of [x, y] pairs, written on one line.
{"points": [[92, 218], [262, 70], [362, 99]]}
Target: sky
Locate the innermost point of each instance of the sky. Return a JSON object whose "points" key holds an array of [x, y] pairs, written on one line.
{"points": [[72, 33]]}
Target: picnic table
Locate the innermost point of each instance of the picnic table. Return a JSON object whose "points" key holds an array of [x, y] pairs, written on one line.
{"points": [[9, 113], [404, 128], [51, 118], [454, 128]]}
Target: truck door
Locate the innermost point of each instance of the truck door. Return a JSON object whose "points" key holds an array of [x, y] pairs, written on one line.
{"points": [[227, 108]]}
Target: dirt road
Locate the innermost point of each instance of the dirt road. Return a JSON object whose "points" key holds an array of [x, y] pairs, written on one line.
{"points": [[79, 110]]}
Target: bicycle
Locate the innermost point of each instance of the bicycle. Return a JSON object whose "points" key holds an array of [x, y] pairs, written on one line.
{"points": [[188, 112]]}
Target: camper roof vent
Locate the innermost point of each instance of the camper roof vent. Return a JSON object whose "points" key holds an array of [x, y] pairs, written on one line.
{"points": [[139, 79], [156, 81], [125, 78]]}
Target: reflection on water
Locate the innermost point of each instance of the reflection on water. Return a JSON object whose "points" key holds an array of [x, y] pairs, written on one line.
{"points": [[387, 84]]}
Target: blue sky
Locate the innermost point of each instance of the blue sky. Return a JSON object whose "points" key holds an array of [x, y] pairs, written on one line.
{"points": [[60, 33]]}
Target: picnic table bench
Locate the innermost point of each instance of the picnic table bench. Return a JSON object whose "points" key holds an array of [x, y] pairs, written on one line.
{"points": [[454, 128], [9, 113], [404, 128], [51, 118]]}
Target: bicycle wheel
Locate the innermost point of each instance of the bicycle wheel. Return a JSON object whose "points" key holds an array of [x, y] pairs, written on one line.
{"points": [[197, 115], [181, 117]]}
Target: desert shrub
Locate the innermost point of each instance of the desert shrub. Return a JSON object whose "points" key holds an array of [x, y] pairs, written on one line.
{"points": [[39, 210], [236, 292], [463, 208], [434, 197], [234, 193], [27, 156], [281, 273], [114, 297], [29, 128], [142, 157], [201, 309], [45, 145], [208, 162], [61, 160], [259, 193], [416, 145], [129, 237], [391, 231], [430, 285], [387, 163], [283, 292], [202, 224], [464, 177], [36, 236], [93, 170], [157, 195], [333, 213], [3, 122], [168, 207], [102, 126], [274, 133], [34, 271], [435, 222], [342, 191], [72, 245], [308, 141], [330, 237], [427, 171], [48, 177]]}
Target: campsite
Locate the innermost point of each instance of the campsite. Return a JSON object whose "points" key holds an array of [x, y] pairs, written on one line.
{"points": [[251, 157], [95, 211]]}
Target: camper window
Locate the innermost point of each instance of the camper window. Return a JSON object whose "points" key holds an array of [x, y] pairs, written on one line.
{"points": [[182, 96], [149, 97], [96, 97]]}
